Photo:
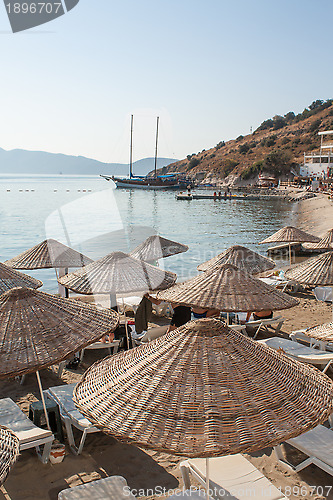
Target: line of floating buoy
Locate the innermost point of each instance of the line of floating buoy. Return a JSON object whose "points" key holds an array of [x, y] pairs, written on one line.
{"points": [[55, 190]]}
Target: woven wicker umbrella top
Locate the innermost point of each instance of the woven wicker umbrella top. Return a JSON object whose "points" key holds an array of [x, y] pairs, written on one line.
{"points": [[155, 247], [326, 243], [204, 390], [38, 329], [9, 451], [314, 271], [290, 234], [9, 278], [117, 272], [321, 332], [226, 288], [48, 254], [241, 257]]}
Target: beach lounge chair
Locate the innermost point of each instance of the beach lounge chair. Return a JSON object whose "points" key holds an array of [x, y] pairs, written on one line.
{"points": [[114, 345], [275, 323], [115, 488], [282, 284], [29, 435], [70, 415], [298, 335], [300, 352], [231, 477], [317, 444]]}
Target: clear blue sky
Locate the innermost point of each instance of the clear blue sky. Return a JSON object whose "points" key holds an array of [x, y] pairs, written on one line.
{"points": [[211, 69]]}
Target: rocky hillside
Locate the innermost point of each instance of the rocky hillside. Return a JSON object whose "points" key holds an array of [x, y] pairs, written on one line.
{"points": [[276, 147]]}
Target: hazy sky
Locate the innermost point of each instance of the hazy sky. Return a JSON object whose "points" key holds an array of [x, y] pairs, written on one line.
{"points": [[210, 69]]}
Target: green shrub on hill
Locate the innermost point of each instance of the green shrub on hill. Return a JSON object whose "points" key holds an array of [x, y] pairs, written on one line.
{"points": [[230, 164], [278, 162], [193, 163], [252, 171]]}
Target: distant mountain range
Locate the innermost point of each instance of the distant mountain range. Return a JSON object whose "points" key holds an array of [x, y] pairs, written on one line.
{"points": [[21, 161]]}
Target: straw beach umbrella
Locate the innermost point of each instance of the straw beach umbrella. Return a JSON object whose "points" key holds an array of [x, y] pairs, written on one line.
{"points": [[117, 272], [9, 278], [228, 289], [38, 330], [322, 332], [9, 451], [326, 243], [204, 390], [155, 247], [316, 271], [290, 234], [241, 257], [47, 255]]}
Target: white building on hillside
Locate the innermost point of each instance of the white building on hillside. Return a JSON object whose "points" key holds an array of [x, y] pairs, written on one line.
{"points": [[320, 164]]}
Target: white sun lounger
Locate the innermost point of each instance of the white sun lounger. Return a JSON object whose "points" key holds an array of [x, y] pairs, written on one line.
{"points": [[323, 345], [300, 352], [115, 488], [276, 323], [317, 444], [29, 435], [71, 416], [114, 345], [231, 477]]}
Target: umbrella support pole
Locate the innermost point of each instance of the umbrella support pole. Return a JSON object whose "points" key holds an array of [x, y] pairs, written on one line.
{"points": [[289, 253], [126, 326], [228, 319], [207, 478], [43, 400]]}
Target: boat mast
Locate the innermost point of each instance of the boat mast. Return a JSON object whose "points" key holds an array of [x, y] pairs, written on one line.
{"points": [[131, 149], [155, 166]]}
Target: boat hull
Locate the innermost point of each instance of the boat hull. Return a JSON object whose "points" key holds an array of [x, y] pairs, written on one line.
{"points": [[146, 184]]}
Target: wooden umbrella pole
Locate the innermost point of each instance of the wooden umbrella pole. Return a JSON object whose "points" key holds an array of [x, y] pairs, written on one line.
{"points": [[290, 253], [207, 478], [43, 400]]}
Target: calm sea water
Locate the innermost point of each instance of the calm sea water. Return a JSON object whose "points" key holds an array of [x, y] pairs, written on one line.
{"points": [[88, 214]]}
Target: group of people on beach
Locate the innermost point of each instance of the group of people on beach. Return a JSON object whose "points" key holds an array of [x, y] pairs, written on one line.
{"points": [[182, 314]]}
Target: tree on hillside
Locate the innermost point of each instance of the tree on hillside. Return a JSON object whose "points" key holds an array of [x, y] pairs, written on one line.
{"points": [[278, 122], [316, 104], [278, 162]]}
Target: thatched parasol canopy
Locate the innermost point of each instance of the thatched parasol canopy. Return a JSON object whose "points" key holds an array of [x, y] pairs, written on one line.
{"points": [[117, 273], [9, 451], [48, 254], [314, 271], [241, 257], [290, 234], [155, 247], [322, 332], [228, 289], [204, 390], [38, 329], [326, 243], [9, 278]]}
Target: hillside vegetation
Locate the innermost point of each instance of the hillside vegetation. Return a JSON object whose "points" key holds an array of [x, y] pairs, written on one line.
{"points": [[275, 147]]}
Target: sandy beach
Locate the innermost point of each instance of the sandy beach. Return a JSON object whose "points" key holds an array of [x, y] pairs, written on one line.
{"points": [[147, 470]]}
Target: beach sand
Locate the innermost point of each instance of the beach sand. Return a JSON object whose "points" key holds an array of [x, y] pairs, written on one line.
{"points": [[146, 470]]}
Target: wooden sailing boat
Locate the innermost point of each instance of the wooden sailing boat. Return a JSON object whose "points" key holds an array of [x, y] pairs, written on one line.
{"points": [[167, 181]]}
